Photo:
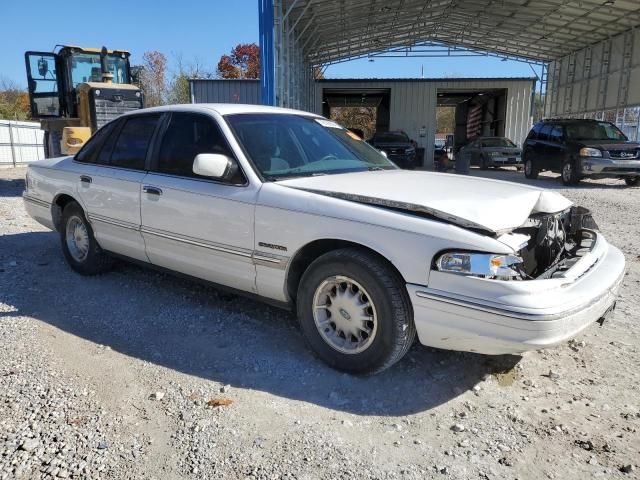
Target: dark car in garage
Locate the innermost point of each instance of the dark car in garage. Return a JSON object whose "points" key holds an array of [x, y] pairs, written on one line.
{"points": [[397, 146], [581, 148]]}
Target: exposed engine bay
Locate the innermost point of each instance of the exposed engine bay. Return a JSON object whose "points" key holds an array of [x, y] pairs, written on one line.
{"points": [[556, 241]]}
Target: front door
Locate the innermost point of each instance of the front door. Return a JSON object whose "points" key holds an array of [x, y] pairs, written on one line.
{"points": [[42, 83], [192, 224]]}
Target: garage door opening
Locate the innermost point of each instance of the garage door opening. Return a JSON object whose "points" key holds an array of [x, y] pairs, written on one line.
{"points": [[364, 111], [477, 113]]}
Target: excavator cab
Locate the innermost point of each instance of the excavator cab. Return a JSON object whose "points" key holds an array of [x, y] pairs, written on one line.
{"points": [[76, 90]]}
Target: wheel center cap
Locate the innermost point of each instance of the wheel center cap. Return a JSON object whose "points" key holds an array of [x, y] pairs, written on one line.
{"points": [[345, 314]]}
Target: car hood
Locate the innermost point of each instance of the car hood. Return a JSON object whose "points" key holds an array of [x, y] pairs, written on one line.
{"points": [[502, 149], [489, 205], [392, 144]]}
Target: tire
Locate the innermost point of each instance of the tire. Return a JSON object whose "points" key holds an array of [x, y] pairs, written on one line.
{"points": [[569, 173], [354, 282], [531, 170], [79, 246], [632, 181], [519, 168]]}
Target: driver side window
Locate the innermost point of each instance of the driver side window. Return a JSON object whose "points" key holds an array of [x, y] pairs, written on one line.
{"points": [[188, 135]]}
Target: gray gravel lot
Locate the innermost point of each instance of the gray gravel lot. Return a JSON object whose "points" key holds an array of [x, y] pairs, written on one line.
{"points": [[113, 377]]}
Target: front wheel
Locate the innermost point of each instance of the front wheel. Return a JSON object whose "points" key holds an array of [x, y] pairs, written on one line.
{"points": [[79, 246], [530, 169], [354, 311], [632, 181], [570, 175]]}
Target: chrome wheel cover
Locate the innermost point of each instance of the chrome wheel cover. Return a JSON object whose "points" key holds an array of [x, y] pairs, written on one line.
{"points": [[77, 238], [345, 315]]}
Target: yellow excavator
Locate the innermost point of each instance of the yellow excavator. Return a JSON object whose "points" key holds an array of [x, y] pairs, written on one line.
{"points": [[73, 91]]}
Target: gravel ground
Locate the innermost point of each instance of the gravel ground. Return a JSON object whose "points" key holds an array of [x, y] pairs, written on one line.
{"points": [[118, 376]]}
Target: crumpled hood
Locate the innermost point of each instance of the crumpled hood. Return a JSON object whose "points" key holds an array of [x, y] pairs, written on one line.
{"points": [[471, 202]]}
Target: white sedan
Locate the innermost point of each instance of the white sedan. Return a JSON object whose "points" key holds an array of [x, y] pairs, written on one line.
{"points": [[294, 209]]}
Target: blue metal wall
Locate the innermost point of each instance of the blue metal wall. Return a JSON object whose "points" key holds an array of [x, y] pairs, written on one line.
{"points": [[267, 58]]}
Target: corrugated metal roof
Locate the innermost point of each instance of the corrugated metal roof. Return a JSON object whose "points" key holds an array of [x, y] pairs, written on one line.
{"points": [[431, 79], [540, 30]]}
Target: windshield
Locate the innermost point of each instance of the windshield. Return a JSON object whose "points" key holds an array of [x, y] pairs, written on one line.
{"points": [[284, 146], [594, 131], [85, 67], [497, 142], [391, 138]]}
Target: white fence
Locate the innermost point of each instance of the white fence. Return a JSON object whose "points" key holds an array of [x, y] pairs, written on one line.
{"points": [[20, 142]]}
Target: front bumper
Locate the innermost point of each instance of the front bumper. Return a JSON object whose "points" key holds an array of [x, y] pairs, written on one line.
{"points": [[497, 317], [609, 167], [511, 160]]}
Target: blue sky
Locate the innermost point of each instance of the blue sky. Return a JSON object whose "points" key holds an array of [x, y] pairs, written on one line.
{"points": [[199, 30]]}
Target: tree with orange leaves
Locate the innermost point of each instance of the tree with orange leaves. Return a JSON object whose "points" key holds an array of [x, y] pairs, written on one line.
{"points": [[242, 62]]}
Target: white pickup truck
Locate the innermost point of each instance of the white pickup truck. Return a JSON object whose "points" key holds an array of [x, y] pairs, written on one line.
{"points": [[294, 209]]}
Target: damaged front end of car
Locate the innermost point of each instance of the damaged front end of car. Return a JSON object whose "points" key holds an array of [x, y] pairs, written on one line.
{"points": [[546, 246], [555, 242]]}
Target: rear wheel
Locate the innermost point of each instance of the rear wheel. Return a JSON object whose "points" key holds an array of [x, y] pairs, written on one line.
{"points": [[79, 246], [354, 311], [570, 175], [632, 181], [531, 170]]}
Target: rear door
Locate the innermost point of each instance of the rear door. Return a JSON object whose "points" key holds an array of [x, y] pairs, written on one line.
{"points": [[543, 147], [557, 148], [110, 188], [42, 82], [192, 224]]}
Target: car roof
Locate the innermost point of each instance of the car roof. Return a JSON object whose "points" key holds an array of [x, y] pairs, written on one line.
{"points": [[572, 120], [222, 109]]}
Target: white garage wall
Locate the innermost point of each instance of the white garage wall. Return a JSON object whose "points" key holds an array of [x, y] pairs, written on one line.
{"points": [[413, 104]]}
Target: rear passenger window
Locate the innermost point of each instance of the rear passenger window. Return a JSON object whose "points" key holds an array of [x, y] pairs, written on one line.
{"points": [[89, 151], [187, 136], [545, 132], [556, 134], [130, 150], [535, 131]]}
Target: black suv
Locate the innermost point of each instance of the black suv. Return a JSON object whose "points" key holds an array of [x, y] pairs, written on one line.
{"points": [[581, 148], [397, 146]]}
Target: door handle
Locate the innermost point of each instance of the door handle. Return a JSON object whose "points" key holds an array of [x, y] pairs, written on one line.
{"points": [[151, 190], [85, 179]]}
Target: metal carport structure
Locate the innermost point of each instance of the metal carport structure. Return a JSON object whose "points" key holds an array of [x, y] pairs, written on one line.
{"points": [[588, 48]]}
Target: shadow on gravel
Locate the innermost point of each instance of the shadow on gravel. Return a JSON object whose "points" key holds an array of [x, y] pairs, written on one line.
{"points": [[11, 187], [194, 329]]}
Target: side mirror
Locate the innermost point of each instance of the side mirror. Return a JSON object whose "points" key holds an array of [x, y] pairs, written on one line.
{"points": [[213, 165]]}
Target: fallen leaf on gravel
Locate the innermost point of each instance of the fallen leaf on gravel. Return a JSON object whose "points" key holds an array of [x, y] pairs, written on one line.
{"points": [[77, 421], [219, 402]]}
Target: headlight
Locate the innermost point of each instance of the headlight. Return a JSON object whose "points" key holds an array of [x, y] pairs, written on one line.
{"points": [[590, 152], [486, 265], [409, 150]]}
